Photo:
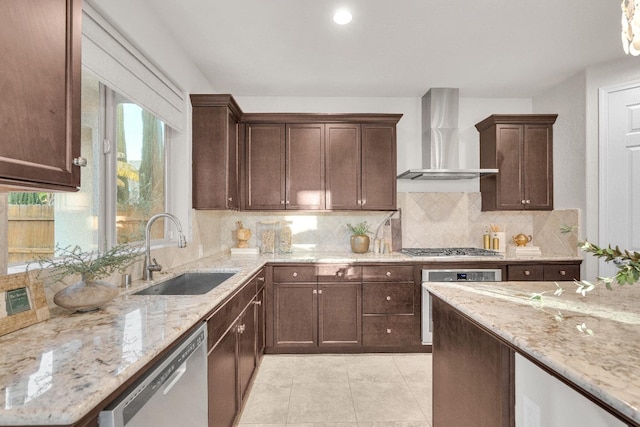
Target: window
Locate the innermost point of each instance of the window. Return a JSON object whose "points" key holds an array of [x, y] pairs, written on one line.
{"points": [[121, 188]]}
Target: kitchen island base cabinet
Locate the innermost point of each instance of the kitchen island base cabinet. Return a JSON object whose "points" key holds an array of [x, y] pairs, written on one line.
{"points": [[472, 373]]}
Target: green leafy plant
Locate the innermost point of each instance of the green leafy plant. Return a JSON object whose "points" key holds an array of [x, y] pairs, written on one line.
{"points": [[628, 263], [90, 265], [362, 228]]}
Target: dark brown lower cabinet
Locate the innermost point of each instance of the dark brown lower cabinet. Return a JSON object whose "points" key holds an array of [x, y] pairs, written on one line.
{"points": [[312, 315], [221, 371], [472, 373], [234, 350]]}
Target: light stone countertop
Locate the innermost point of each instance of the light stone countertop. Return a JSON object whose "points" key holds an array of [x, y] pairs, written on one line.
{"points": [[605, 364], [57, 371]]}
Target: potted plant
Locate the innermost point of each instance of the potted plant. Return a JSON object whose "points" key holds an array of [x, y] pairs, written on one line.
{"points": [[89, 293], [359, 237]]}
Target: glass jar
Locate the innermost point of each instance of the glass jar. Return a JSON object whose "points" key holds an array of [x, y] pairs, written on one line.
{"points": [[285, 237], [267, 235]]}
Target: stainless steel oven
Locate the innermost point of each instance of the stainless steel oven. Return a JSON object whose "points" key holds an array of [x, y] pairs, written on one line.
{"points": [[454, 275]]}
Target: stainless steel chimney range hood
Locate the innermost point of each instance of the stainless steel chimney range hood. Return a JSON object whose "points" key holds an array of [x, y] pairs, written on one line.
{"points": [[440, 155]]}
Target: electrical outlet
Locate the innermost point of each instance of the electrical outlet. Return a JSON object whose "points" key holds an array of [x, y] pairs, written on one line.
{"points": [[530, 412]]}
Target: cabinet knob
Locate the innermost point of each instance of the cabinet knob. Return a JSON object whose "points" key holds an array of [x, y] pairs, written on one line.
{"points": [[528, 202], [563, 273], [231, 199], [388, 331], [241, 329], [260, 279], [388, 297], [80, 161], [320, 291], [524, 202], [388, 274], [257, 302], [359, 202], [295, 274], [287, 202], [282, 202], [527, 273], [340, 273], [364, 202]]}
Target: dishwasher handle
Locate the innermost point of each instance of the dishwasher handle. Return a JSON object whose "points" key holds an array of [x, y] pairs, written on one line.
{"points": [[175, 378]]}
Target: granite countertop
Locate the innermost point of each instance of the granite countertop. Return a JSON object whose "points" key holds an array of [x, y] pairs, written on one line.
{"points": [[57, 371], [604, 364]]}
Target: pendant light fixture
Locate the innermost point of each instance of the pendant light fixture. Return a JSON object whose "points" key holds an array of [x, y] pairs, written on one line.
{"points": [[631, 26]]}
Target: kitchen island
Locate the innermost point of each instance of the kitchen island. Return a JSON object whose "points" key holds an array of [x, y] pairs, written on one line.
{"points": [[60, 372], [590, 344]]}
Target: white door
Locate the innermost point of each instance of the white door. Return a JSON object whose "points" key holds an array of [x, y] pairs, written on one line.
{"points": [[620, 172]]}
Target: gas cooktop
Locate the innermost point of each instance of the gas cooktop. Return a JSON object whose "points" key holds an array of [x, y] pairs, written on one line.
{"points": [[449, 252]]}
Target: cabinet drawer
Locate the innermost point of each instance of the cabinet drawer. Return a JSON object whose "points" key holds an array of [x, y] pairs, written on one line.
{"points": [[339, 273], [561, 272], [389, 330], [387, 298], [294, 273], [525, 272], [224, 316], [381, 273]]}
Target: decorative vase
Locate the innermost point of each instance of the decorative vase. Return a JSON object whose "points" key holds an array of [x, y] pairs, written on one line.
{"points": [[86, 295], [243, 235], [359, 243]]}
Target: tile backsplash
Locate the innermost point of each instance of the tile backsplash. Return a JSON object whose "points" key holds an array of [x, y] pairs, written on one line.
{"points": [[428, 220]]}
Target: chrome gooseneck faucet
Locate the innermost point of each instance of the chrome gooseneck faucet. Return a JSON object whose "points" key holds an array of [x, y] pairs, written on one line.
{"points": [[152, 265]]}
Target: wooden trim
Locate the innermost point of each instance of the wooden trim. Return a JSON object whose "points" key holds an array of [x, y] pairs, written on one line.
{"points": [[539, 119], [217, 100], [320, 118]]}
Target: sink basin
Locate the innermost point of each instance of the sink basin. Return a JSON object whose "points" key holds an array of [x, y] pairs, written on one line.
{"points": [[187, 284]]}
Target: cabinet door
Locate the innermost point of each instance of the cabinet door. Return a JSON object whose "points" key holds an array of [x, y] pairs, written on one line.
{"points": [[246, 348], [40, 104], [340, 314], [378, 167], [343, 180], [296, 314], [215, 163], [537, 165], [509, 153], [305, 167], [265, 167], [222, 378]]}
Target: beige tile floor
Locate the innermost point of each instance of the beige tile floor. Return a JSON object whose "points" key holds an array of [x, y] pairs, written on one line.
{"points": [[370, 390]]}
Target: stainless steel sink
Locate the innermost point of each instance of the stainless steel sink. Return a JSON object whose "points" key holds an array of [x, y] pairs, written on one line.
{"points": [[188, 284]]}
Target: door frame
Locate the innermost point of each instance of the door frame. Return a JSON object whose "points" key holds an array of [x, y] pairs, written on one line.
{"points": [[603, 131]]}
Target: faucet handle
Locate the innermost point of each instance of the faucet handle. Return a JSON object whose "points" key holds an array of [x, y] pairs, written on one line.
{"points": [[154, 266]]}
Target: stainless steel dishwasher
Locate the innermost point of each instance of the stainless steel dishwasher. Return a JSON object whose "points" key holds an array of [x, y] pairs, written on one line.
{"points": [[173, 394]]}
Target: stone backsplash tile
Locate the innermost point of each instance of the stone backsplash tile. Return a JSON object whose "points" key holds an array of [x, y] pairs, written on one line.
{"points": [[428, 220]]}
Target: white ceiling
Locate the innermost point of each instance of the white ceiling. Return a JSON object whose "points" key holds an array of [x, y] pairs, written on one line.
{"points": [[399, 48]]}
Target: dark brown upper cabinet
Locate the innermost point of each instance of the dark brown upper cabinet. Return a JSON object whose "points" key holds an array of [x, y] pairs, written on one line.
{"points": [[361, 166], [521, 148], [343, 166], [265, 167], [291, 161], [379, 166], [305, 167], [40, 103], [215, 166]]}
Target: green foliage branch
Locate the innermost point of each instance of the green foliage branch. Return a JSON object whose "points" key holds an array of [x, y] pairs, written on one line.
{"points": [[90, 265]]}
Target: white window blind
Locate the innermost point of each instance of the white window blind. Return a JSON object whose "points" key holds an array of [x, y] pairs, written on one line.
{"points": [[123, 68]]}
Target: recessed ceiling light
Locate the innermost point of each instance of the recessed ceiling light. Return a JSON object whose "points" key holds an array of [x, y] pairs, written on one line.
{"points": [[342, 16]]}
